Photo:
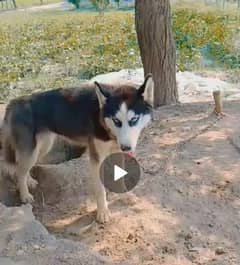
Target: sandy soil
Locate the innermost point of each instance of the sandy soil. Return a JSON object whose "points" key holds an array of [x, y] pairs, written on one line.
{"points": [[185, 210]]}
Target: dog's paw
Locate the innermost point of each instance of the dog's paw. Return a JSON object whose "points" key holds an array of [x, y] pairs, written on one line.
{"points": [[103, 216], [27, 198], [32, 183]]}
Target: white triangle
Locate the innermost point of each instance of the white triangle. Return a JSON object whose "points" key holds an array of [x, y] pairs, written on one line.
{"points": [[119, 173]]}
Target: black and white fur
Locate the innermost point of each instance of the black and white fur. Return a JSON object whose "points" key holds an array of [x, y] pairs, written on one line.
{"points": [[102, 118]]}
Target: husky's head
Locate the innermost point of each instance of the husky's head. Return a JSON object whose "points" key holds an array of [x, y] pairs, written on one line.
{"points": [[125, 111]]}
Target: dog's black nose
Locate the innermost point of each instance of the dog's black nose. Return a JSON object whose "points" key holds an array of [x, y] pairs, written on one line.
{"points": [[125, 148]]}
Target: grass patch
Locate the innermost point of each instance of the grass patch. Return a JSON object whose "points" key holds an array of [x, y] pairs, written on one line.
{"points": [[87, 44], [208, 39]]}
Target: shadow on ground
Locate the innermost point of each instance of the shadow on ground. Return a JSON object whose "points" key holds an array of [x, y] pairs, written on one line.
{"points": [[185, 209]]}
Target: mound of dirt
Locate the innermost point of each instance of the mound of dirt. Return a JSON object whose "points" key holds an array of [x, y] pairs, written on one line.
{"points": [[25, 241], [192, 87]]}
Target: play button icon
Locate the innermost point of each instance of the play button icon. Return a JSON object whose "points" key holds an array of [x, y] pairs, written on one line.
{"points": [[120, 172]]}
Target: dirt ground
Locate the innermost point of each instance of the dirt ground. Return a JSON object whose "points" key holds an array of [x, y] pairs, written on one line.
{"points": [[185, 210]]}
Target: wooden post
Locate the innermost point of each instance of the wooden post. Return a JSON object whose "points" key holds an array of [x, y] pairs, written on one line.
{"points": [[218, 103]]}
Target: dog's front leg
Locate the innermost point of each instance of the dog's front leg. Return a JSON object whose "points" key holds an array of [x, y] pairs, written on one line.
{"points": [[103, 213]]}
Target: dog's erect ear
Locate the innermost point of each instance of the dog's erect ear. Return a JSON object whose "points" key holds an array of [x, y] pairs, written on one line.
{"points": [[102, 93], [146, 89]]}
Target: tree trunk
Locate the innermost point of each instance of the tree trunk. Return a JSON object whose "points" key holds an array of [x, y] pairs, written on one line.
{"points": [[14, 3], [157, 48]]}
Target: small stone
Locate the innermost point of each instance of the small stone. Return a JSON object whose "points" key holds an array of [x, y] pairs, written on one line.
{"points": [[20, 252], [195, 249], [188, 236], [186, 129], [171, 130], [36, 247], [220, 251], [195, 231], [179, 190], [130, 237], [153, 133]]}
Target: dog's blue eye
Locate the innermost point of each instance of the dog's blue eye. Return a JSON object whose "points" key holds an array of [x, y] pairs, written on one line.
{"points": [[117, 122], [133, 121]]}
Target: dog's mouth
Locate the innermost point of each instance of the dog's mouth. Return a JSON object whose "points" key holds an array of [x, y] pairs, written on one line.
{"points": [[130, 154]]}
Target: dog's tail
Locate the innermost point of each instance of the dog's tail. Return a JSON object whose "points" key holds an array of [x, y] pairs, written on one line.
{"points": [[9, 152], [6, 144], [17, 132]]}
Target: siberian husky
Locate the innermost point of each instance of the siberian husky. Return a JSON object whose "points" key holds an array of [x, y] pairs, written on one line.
{"points": [[103, 118]]}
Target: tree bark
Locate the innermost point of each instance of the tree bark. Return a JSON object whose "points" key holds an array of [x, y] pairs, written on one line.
{"points": [[157, 48], [14, 3]]}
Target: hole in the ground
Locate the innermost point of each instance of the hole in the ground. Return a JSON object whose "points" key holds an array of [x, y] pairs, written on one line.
{"points": [[62, 151]]}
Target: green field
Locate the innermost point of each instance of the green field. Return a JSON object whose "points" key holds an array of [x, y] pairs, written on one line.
{"points": [[50, 49]]}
